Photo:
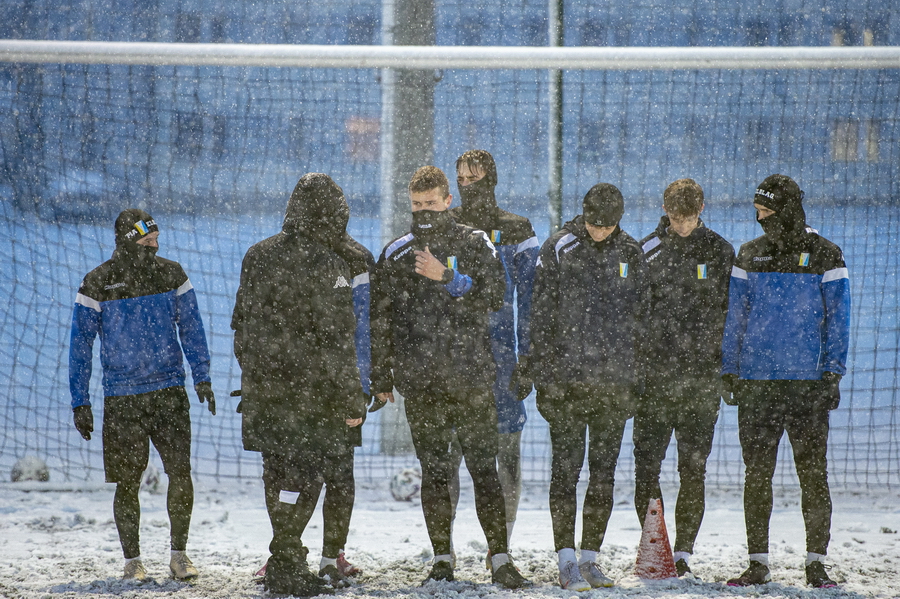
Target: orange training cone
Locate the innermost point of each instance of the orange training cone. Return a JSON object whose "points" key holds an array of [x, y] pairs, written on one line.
{"points": [[654, 558]]}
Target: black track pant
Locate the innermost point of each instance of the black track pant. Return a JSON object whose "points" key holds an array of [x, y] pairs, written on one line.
{"points": [[292, 481], [432, 418], [690, 410], [337, 507], [766, 410], [593, 413]]}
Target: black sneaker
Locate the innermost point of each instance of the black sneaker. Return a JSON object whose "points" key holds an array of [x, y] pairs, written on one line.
{"points": [[509, 578], [297, 581], [757, 573], [333, 577], [682, 568], [816, 576], [440, 571]]}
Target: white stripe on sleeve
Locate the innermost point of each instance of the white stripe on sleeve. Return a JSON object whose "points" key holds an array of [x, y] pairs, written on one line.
{"points": [[185, 287], [835, 274], [360, 279], [738, 273], [531, 242], [87, 302], [288, 497], [651, 243]]}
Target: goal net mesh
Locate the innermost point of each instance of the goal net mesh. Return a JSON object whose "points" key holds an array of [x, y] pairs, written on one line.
{"points": [[213, 154]]}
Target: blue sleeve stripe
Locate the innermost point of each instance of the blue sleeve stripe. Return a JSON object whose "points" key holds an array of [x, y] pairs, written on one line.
{"points": [[397, 245], [651, 243], [563, 241], [531, 242], [87, 302], [185, 287], [361, 279], [835, 274], [739, 273]]}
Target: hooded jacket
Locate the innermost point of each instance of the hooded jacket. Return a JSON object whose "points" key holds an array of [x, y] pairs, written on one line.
{"points": [[586, 310], [294, 331], [425, 333], [145, 311], [517, 245], [687, 301]]}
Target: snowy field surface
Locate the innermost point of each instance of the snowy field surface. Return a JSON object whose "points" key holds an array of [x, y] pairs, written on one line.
{"points": [[60, 541]]}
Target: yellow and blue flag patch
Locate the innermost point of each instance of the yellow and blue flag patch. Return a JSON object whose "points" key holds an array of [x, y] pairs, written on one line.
{"points": [[804, 259], [141, 227], [623, 270], [701, 271], [451, 262], [495, 236]]}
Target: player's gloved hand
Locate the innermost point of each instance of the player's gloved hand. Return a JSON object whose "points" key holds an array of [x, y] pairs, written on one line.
{"points": [[237, 393], [84, 421], [831, 389], [730, 384], [205, 394], [521, 382]]}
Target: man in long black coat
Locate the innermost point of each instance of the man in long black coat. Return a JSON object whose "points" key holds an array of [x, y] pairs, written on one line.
{"points": [[294, 339]]}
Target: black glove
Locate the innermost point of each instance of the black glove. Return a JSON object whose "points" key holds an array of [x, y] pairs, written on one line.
{"points": [[84, 421], [376, 404], [730, 384], [521, 382], [831, 389], [205, 393]]}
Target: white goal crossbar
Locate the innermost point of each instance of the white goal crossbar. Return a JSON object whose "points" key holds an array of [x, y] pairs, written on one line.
{"points": [[449, 57]]}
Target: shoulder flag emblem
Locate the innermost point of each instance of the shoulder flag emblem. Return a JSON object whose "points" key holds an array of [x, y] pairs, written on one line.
{"points": [[341, 282]]}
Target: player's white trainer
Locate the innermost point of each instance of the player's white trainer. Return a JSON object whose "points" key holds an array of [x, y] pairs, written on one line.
{"points": [[570, 578], [134, 570], [594, 575], [181, 566]]}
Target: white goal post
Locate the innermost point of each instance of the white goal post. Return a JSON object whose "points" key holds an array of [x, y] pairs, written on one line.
{"points": [[450, 57]]}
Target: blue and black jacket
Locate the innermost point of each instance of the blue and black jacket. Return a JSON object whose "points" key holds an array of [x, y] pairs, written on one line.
{"points": [[517, 245], [141, 313], [788, 311]]}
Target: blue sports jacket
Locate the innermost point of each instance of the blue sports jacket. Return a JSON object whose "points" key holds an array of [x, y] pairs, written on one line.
{"points": [[140, 315], [788, 311]]}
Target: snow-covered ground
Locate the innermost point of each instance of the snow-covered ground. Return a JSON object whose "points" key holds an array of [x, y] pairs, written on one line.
{"points": [[62, 542]]}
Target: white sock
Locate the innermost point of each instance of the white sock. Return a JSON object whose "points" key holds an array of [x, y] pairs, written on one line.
{"points": [[814, 557], [499, 560], [587, 556], [566, 555], [128, 560], [681, 555], [175, 554], [509, 529], [327, 561], [443, 558], [762, 558]]}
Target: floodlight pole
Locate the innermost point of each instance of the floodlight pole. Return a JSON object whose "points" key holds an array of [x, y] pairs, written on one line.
{"points": [[407, 117], [555, 124]]}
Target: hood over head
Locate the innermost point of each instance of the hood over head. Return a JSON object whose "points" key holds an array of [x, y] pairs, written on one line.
{"points": [[781, 194], [317, 209], [131, 226]]}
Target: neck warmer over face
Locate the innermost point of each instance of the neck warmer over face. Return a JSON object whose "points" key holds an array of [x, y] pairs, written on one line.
{"points": [[479, 202], [429, 223]]}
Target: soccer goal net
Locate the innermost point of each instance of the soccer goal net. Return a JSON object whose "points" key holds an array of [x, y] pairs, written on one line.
{"points": [[212, 150]]}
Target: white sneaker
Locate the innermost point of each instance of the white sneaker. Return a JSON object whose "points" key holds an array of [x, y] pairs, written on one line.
{"points": [[594, 575], [134, 570], [570, 578], [181, 566]]}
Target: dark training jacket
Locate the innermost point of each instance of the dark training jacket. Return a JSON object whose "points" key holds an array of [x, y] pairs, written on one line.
{"points": [[425, 333], [517, 245], [294, 331], [586, 309], [686, 303]]}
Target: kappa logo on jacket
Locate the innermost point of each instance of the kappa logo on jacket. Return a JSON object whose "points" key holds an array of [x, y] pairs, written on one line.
{"points": [[341, 282]]}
